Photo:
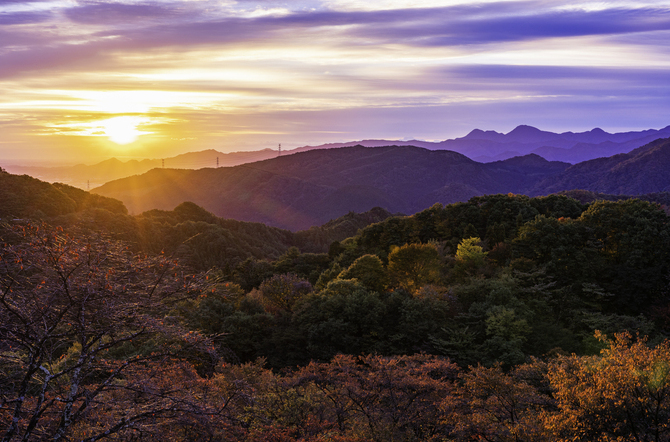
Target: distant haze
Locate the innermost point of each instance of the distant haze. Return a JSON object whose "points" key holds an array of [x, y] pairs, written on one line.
{"points": [[480, 145]]}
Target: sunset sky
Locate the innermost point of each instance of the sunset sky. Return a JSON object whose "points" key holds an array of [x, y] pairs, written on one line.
{"points": [[81, 81]]}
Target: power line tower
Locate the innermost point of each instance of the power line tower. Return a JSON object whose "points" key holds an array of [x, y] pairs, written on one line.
{"points": [[163, 163], [88, 185], [217, 162], [279, 150]]}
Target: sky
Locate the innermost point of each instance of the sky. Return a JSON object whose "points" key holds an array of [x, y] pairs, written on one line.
{"points": [[82, 81]]}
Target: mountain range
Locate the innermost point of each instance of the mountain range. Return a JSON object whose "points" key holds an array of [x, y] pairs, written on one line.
{"points": [[309, 188], [569, 147], [478, 145], [87, 176]]}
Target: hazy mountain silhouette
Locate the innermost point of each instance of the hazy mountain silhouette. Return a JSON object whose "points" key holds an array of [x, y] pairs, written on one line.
{"points": [[569, 147], [85, 176], [482, 146], [309, 188]]}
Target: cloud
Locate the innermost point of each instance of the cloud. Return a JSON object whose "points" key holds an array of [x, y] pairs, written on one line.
{"points": [[568, 81], [20, 18], [111, 13], [467, 25], [448, 26]]}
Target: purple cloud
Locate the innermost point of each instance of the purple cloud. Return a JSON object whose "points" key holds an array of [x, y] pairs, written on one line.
{"points": [[111, 13], [21, 18], [463, 26], [449, 26]]}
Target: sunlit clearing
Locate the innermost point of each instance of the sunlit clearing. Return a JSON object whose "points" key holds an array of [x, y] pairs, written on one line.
{"points": [[122, 130]]}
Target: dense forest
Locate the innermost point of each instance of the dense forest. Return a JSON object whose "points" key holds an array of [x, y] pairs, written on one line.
{"points": [[503, 318]]}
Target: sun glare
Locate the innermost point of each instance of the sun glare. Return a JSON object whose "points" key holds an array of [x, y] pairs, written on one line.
{"points": [[122, 130]]}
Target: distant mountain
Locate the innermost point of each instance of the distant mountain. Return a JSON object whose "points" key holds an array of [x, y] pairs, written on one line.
{"points": [[22, 196], [309, 188], [85, 176], [642, 171], [490, 146], [482, 146]]}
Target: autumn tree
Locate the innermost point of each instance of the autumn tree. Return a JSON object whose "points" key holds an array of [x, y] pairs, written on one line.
{"points": [[80, 325], [499, 406], [622, 394], [281, 292], [382, 398]]}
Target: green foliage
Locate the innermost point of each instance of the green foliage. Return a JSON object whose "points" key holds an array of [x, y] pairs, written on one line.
{"points": [[327, 276], [633, 242], [369, 270], [306, 265], [413, 266], [622, 247], [470, 252], [250, 273], [86, 200], [22, 196], [470, 257], [342, 318]]}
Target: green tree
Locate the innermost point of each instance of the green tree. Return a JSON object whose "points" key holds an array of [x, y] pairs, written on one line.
{"points": [[632, 239], [470, 256], [342, 318], [414, 265], [369, 270]]}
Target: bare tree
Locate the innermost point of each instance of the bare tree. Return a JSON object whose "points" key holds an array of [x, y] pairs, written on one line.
{"points": [[83, 336]]}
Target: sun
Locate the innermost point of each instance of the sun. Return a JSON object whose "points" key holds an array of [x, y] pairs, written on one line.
{"points": [[122, 130]]}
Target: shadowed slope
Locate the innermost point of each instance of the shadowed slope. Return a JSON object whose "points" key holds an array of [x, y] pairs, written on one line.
{"points": [[643, 170], [310, 188]]}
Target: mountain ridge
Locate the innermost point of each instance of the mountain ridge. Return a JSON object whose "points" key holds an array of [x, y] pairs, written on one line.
{"points": [[641, 171], [479, 145], [308, 188]]}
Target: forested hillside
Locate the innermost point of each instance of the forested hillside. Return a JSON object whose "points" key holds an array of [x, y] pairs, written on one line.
{"points": [[643, 170], [501, 318], [309, 188]]}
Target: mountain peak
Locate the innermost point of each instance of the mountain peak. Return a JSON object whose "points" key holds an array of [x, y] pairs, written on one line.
{"points": [[524, 130], [478, 134], [529, 134]]}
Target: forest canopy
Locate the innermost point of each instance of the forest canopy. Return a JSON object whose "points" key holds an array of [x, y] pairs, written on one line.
{"points": [[501, 318]]}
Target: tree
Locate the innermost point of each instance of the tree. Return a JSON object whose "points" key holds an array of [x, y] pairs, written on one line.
{"points": [[383, 398], [80, 325], [633, 242], [369, 270], [281, 292], [342, 318], [499, 406], [414, 265], [623, 394], [470, 256]]}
